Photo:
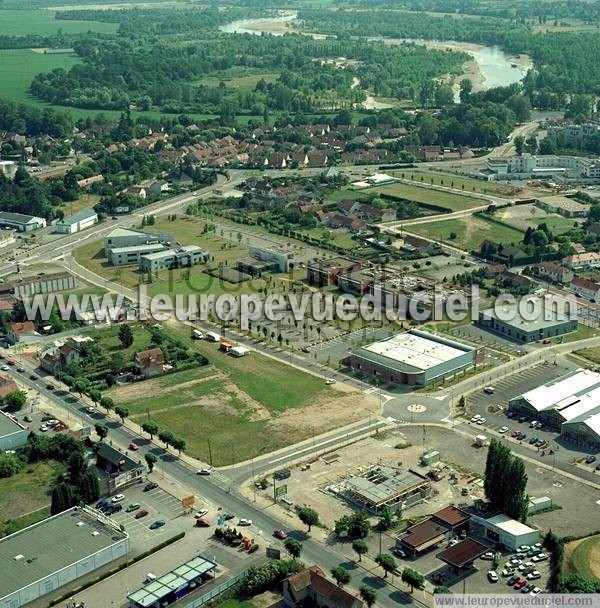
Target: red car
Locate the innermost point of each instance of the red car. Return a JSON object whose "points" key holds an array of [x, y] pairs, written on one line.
{"points": [[11, 362], [202, 523], [141, 514], [59, 427], [133, 446], [279, 534], [520, 583], [515, 433]]}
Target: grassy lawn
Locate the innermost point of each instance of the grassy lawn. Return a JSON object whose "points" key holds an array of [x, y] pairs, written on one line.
{"points": [[453, 202], [455, 181], [470, 232], [343, 193], [42, 22], [581, 333], [585, 559], [339, 236], [592, 354], [239, 81], [85, 201], [108, 340], [27, 492]]}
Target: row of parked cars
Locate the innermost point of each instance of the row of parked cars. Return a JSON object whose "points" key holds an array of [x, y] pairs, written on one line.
{"points": [[521, 569], [110, 506]]}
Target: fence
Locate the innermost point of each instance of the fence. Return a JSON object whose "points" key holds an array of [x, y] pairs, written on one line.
{"points": [[209, 595]]}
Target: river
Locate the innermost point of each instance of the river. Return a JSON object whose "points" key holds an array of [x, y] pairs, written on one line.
{"points": [[490, 67]]}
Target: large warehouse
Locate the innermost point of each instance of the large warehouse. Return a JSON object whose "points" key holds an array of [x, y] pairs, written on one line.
{"points": [[505, 531], [56, 551], [547, 324], [416, 358], [570, 404]]}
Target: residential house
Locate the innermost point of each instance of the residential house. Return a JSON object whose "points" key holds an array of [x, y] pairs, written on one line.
{"points": [[21, 332], [149, 363], [554, 272], [349, 206], [375, 214], [337, 220], [578, 261], [56, 358], [317, 158], [586, 289], [138, 191], [310, 587], [158, 187], [300, 158], [277, 160], [512, 254]]}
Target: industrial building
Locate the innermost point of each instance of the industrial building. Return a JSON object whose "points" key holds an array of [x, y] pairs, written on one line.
{"points": [[506, 532], [570, 404], [414, 358], [77, 222], [285, 257], [547, 323], [12, 433], [528, 166], [563, 205], [167, 259], [56, 551], [44, 283], [324, 273], [386, 486], [21, 222], [124, 256], [174, 585], [126, 246]]}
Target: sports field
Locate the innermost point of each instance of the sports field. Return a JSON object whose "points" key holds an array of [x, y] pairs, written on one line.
{"points": [[43, 23], [469, 232], [448, 200], [583, 557]]}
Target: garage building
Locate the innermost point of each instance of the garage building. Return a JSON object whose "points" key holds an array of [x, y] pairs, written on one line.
{"points": [[462, 555], [505, 531], [76, 222], [415, 358], [12, 433], [21, 222], [56, 551]]}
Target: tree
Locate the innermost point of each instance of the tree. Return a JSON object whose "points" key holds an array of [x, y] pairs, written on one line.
{"points": [[179, 444], [95, 395], [166, 437], [150, 460], [368, 595], [519, 144], [125, 336], [122, 412], [107, 403], [412, 578], [15, 400], [385, 519], [101, 430], [340, 575], [293, 547], [360, 547], [81, 386], [62, 498], [387, 562], [89, 487], [150, 427], [441, 589], [76, 466], [308, 517], [10, 465], [466, 86]]}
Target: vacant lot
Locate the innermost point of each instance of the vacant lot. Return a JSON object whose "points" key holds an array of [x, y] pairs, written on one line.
{"points": [[239, 81], [530, 216], [448, 200], [583, 557], [19, 66], [25, 497], [42, 22], [245, 406], [469, 232]]}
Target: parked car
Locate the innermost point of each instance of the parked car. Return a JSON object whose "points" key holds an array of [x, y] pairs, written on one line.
{"points": [[329, 381], [102, 504], [28, 418], [159, 523], [533, 440], [540, 557], [244, 522], [515, 433], [134, 506], [150, 486], [533, 424], [43, 428], [59, 427], [488, 390], [201, 513], [522, 419], [507, 572], [117, 498], [20, 369], [515, 561], [226, 516], [279, 533], [533, 575], [399, 552], [50, 387], [481, 421], [520, 584], [203, 472], [591, 458], [524, 566], [492, 576], [202, 523], [527, 588], [11, 362], [475, 418], [503, 429], [133, 446], [535, 591], [522, 436], [488, 555], [512, 580], [141, 514], [114, 508]]}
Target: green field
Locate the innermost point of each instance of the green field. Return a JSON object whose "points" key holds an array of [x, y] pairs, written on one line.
{"points": [[337, 236], [22, 496], [470, 232], [42, 22], [448, 200], [585, 559]]}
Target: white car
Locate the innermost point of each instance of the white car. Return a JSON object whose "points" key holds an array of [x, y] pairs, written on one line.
{"points": [[203, 472], [488, 555], [533, 575], [201, 513], [503, 429], [117, 498], [488, 390], [245, 522], [525, 566], [507, 572], [540, 557], [43, 428], [330, 381], [475, 418], [492, 576], [523, 548], [537, 546], [535, 591], [5, 368], [481, 421], [514, 561], [533, 424]]}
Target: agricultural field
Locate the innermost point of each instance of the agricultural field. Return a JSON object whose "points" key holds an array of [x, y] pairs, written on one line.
{"points": [[238, 403], [583, 557], [26, 495], [240, 79], [469, 232], [43, 23], [448, 200]]}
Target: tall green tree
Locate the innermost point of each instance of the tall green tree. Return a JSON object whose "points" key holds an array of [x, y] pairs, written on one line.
{"points": [[360, 547], [309, 517], [101, 430], [368, 595], [122, 412], [150, 460], [293, 547], [413, 578], [150, 427], [387, 562], [340, 575], [125, 336], [15, 400]]}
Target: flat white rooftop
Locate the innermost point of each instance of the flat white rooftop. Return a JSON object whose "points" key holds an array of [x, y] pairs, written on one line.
{"points": [[509, 525], [575, 387], [415, 350]]}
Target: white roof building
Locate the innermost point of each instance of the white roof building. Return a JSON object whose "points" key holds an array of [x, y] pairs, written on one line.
{"points": [[506, 531]]}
